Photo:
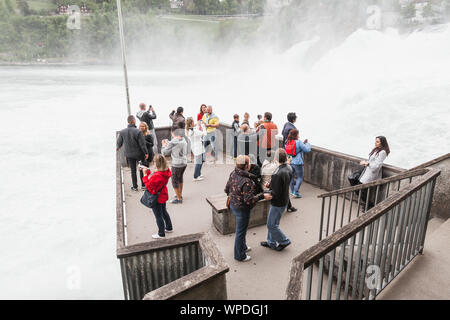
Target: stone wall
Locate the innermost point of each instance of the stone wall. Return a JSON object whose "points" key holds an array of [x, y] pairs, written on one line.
{"points": [[441, 199], [329, 169]]}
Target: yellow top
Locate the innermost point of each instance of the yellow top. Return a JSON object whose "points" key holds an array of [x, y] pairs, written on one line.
{"points": [[210, 119]]}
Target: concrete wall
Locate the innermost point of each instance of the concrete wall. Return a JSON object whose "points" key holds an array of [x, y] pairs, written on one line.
{"points": [[212, 289], [441, 199], [329, 169], [184, 267]]}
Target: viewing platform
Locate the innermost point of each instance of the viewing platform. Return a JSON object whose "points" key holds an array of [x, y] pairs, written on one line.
{"points": [[401, 227], [245, 280]]}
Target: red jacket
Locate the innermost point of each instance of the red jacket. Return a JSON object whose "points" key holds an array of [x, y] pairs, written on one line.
{"points": [[156, 181]]}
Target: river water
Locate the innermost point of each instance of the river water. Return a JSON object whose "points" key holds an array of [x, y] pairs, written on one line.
{"points": [[57, 124]]}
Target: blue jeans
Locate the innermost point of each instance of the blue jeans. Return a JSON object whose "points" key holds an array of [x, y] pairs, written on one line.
{"points": [[162, 219], [210, 138], [198, 161], [240, 245], [274, 233], [296, 183]]}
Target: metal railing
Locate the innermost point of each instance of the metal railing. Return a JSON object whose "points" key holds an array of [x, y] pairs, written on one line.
{"points": [[386, 238], [335, 214]]}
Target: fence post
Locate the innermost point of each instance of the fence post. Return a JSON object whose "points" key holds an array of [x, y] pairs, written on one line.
{"points": [[430, 202]]}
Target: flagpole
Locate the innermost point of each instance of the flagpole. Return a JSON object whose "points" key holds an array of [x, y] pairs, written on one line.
{"points": [[122, 43]]}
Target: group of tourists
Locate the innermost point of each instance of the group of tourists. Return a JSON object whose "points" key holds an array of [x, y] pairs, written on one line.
{"points": [[275, 174], [141, 149], [264, 169]]}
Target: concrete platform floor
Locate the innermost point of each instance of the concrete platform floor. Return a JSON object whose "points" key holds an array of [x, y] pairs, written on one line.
{"points": [[266, 275]]}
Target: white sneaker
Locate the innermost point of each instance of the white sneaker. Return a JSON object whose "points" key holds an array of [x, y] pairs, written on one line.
{"points": [[248, 249], [247, 258], [198, 178], [169, 231], [201, 176], [157, 236]]}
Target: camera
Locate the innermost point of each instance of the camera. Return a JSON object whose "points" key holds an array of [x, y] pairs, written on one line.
{"points": [[141, 166]]}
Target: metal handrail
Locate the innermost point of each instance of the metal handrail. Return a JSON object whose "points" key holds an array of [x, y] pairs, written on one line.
{"points": [[335, 214], [397, 177], [392, 212]]}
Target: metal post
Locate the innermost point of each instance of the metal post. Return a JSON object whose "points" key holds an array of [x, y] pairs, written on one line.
{"points": [[122, 44], [430, 201], [321, 219]]}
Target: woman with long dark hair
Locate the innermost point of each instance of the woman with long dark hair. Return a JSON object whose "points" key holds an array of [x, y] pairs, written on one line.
{"points": [[373, 167], [202, 112]]}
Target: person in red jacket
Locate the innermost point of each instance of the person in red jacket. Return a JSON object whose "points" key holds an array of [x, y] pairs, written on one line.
{"points": [[202, 112], [157, 182]]}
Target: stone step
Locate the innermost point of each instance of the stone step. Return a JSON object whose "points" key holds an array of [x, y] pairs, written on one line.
{"points": [[433, 225]]}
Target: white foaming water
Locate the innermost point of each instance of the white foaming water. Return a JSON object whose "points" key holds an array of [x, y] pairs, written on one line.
{"points": [[57, 222]]}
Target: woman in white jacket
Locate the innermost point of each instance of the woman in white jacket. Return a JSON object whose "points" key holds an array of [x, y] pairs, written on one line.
{"points": [[373, 167], [196, 134]]}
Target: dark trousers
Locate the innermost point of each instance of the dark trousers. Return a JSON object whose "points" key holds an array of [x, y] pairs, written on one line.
{"points": [[240, 245], [162, 219], [235, 142], [133, 164]]}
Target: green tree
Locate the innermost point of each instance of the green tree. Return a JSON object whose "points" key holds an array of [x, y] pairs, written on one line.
{"points": [[9, 6], [23, 7], [428, 11], [409, 11]]}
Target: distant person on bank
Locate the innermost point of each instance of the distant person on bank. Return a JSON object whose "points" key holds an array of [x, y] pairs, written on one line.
{"points": [[288, 126], [202, 112], [196, 133], [211, 122], [135, 148], [373, 167], [148, 117], [295, 148], [243, 196], [279, 189], [157, 182], [177, 149], [149, 144]]}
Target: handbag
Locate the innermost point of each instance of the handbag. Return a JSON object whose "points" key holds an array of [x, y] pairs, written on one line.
{"points": [[354, 177], [150, 200]]}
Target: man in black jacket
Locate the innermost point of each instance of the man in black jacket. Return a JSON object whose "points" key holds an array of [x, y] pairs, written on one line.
{"points": [[288, 126], [279, 189], [135, 148]]}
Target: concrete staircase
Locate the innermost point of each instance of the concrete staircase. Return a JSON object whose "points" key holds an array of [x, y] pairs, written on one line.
{"points": [[428, 275]]}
